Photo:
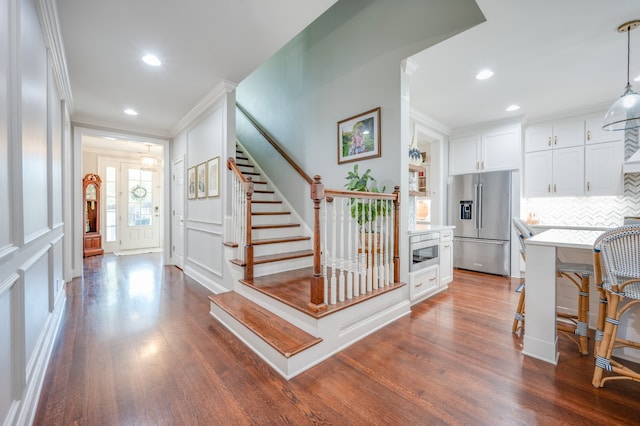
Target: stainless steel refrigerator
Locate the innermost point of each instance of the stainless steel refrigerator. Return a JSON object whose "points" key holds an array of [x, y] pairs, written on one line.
{"points": [[480, 210]]}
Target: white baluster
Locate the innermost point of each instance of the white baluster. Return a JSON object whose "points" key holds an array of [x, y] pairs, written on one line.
{"points": [[333, 290], [349, 270], [369, 248], [324, 249], [341, 282], [382, 249], [363, 254], [356, 258]]}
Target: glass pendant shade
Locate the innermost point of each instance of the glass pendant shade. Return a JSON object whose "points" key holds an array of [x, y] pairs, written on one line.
{"points": [[624, 113]]}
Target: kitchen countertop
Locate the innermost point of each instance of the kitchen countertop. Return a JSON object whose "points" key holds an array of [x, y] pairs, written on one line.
{"points": [[422, 228]]}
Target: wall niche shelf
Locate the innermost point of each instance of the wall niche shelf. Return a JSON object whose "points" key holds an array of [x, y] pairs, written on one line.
{"points": [[418, 181]]}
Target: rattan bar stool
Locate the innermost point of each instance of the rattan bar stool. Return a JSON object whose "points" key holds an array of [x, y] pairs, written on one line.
{"points": [[620, 253], [578, 274]]}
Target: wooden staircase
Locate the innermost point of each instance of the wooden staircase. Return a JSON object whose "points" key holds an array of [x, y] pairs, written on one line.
{"points": [[276, 235], [270, 312]]}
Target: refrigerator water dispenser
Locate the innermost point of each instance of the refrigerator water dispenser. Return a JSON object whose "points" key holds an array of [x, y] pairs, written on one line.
{"points": [[465, 210]]}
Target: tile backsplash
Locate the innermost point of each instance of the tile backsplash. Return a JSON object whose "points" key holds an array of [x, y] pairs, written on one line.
{"points": [[587, 211]]}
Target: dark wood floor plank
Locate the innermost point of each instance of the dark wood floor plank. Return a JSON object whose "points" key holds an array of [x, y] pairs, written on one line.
{"points": [[138, 347]]}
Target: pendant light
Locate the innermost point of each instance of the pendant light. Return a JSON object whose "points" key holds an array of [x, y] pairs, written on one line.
{"points": [[148, 162], [625, 112]]}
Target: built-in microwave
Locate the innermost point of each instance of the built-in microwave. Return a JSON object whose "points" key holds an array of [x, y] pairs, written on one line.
{"points": [[424, 250]]}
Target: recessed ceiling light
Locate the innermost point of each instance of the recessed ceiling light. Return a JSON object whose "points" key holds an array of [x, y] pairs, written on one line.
{"points": [[484, 74], [110, 138], [151, 60], [513, 107], [130, 111]]}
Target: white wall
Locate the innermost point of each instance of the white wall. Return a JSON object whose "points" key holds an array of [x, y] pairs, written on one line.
{"points": [[31, 219], [209, 134], [347, 62]]}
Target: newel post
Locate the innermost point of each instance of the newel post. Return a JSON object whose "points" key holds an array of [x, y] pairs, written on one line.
{"points": [[396, 233], [248, 248], [316, 302]]}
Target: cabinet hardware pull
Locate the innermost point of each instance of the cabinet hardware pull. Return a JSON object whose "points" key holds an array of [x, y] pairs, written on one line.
{"points": [[588, 135], [477, 165], [432, 279], [482, 165], [554, 187], [418, 285], [555, 140], [588, 186], [549, 141], [549, 188]]}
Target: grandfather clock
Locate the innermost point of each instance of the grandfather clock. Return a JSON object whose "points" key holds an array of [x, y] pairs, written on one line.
{"points": [[91, 194]]}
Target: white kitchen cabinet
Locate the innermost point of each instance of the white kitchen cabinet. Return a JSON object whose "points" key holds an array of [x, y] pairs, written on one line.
{"points": [[568, 171], [446, 261], [603, 168], [463, 155], [487, 151], [595, 134], [554, 172], [423, 283], [559, 134], [538, 173]]}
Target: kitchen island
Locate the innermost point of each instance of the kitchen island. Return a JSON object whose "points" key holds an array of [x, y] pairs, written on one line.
{"points": [[540, 337]]}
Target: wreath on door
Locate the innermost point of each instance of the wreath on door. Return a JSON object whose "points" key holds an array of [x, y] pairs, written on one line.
{"points": [[138, 192]]}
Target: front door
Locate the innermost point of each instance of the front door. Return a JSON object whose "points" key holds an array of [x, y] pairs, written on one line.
{"points": [[140, 197]]}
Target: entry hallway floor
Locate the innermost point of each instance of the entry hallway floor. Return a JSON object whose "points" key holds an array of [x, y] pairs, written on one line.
{"points": [[138, 347]]}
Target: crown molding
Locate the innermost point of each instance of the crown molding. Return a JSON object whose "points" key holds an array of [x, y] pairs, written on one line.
{"points": [[220, 92], [429, 122], [50, 25]]}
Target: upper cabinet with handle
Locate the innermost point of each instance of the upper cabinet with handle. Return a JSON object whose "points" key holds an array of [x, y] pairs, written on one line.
{"points": [[486, 150], [559, 134]]}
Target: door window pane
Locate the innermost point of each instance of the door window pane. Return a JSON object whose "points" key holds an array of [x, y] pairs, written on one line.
{"points": [[111, 205], [140, 197]]}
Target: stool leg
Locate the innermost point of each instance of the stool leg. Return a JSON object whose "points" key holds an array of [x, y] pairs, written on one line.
{"points": [[582, 328], [602, 313], [603, 357], [519, 317]]}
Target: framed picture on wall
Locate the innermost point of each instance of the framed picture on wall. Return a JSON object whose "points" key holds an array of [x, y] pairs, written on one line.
{"points": [[201, 180], [191, 183], [213, 174], [359, 137]]}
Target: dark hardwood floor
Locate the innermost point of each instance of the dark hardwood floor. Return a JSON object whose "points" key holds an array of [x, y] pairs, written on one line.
{"points": [[138, 347]]}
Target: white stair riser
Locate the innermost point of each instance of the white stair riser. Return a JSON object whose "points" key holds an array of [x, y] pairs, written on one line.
{"points": [[265, 249], [257, 196], [260, 234], [271, 219], [266, 207], [285, 265]]}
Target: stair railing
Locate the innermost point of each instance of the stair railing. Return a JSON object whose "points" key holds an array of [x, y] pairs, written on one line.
{"points": [[274, 143], [242, 192], [355, 244]]}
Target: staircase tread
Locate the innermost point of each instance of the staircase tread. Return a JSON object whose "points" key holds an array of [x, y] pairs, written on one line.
{"points": [[279, 240], [266, 202], [268, 213], [277, 225], [268, 258], [281, 335], [263, 192]]}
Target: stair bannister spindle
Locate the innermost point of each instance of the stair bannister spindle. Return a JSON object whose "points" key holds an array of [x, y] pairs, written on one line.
{"points": [[396, 231], [340, 238], [334, 282], [248, 270], [317, 302], [387, 243], [356, 256], [349, 244], [382, 249]]}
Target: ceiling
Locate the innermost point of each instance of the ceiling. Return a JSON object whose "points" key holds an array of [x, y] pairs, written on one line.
{"points": [[550, 57], [200, 42]]}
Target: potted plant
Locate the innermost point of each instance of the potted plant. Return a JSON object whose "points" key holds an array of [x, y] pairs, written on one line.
{"points": [[371, 209]]}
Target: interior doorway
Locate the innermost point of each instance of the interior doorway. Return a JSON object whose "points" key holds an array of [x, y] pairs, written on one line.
{"points": [[133, 195]]}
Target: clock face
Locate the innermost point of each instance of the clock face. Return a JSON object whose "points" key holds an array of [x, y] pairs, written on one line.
{"points": [[138, 192]]}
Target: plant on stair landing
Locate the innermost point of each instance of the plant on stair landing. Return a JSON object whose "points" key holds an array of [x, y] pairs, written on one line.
{"points": [[371, 209]]}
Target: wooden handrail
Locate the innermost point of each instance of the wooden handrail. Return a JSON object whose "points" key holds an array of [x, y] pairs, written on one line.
{"points": [[274, 144], [231, 165], [360, 194]]}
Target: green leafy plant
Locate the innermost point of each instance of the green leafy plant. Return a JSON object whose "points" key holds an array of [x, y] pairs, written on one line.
{"points": [[364, 210]]}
